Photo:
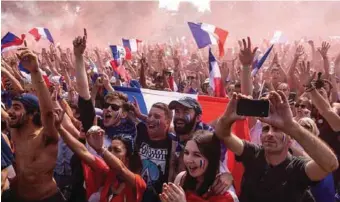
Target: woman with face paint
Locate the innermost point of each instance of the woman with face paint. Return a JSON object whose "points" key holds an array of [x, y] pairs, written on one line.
{"points": [[201, 158], [114, 176]]}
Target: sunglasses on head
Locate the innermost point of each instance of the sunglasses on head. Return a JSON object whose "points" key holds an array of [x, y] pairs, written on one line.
{"points": [[114, 107], [300, 105]]}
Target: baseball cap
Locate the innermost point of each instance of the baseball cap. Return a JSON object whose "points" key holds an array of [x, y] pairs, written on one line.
{"points": [[30, 101], [188, 102]]}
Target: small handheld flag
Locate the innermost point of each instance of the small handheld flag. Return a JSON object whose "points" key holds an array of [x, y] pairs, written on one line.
{"points": [[40, 32], [206, 34], [131, 44], [11, 42], [261, 61], [215, 80]]}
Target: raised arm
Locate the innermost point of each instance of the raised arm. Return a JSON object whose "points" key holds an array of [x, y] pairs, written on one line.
{"points": [[323, 160], [322, 104], [323, 52], [30, 62], [224, 124], [77, 147], [142, 77], [79, 46], [15, 83], [96, 140], [246, 58]]}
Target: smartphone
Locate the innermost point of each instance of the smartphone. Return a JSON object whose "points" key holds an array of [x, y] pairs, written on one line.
{"points": [[257, 108], [292, 96]]}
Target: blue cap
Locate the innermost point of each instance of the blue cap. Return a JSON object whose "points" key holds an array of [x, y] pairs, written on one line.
{"points": [[30, 101]]}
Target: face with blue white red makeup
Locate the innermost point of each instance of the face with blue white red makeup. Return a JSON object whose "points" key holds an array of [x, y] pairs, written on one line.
{"points": [[157, 123], [194, 160], [185, 120], [274, 140], [113, 112]]}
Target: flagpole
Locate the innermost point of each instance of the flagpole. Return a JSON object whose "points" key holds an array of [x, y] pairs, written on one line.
{"points": [[261, 89]]}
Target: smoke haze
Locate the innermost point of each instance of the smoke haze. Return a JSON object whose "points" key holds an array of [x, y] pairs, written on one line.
{"points": [[108, 22]]}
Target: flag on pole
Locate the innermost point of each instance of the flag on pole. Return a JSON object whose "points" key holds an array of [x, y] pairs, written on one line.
{"points": [[206, 34], [215, 80], [131, 44], [11, 42], [261, 61], [120, 52], [278, 38], [40, 32]]}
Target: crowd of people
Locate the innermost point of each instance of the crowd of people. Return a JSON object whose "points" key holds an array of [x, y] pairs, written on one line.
{"points": [[68, 135]]}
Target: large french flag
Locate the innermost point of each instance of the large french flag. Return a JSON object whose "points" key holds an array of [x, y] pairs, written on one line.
{"points": [[212, 107], [206, 34], [11, 42], [40, 32], [215, 80], [132, 44]]}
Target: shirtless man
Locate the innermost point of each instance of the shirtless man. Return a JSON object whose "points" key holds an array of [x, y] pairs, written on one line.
{"points": [[35, 140]]}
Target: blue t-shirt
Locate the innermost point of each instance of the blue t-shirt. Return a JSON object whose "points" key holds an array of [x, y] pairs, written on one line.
{"points": [[6, 154]]}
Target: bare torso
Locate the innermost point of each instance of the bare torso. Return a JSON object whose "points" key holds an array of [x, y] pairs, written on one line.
{"points": [[35, 159]]}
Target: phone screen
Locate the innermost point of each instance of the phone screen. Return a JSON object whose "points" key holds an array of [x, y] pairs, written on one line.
{"points": [[257, 108], [292, 96]]}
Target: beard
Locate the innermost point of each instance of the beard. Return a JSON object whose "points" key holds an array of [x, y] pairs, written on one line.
{"points": [[19, 123], [188, 126]]}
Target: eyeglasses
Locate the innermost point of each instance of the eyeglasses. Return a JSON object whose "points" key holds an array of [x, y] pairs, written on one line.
{"points": [[300, 105], [114, 107]]}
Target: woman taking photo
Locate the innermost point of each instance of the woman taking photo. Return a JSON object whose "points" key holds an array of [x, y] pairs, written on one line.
{"points": [[114, 177], [202, 161]]}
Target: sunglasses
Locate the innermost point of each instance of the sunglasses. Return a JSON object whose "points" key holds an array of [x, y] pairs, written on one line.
{"points": [[114, 107], [300, 105]]}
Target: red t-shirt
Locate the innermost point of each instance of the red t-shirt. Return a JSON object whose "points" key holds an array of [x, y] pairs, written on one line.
{"points": [[227, 197], [101, 175]]}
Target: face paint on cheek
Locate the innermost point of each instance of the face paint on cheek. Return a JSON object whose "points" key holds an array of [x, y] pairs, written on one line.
{"points": [[187, 117], [158, 123], [202, 162]]}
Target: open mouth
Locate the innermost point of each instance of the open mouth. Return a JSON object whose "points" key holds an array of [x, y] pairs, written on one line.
{"points": [[180, 124], [151, 126], [12, 118], [108, 116], [192, 169]]}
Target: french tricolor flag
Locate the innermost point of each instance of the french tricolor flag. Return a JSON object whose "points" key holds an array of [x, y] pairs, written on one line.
{"points": [[120, 52], [11, 42], [215, 80], [132, 44], [206, 34], [259, 63], [40, 32], [212, 107]]}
